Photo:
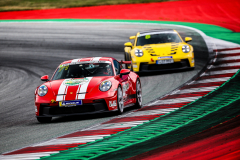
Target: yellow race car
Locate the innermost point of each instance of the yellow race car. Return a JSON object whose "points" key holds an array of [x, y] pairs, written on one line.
{"points": [[158, 50]]}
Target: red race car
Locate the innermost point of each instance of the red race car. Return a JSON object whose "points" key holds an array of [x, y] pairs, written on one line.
{"points": [[87, 86]]}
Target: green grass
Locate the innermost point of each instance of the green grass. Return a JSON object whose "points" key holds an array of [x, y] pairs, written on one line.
{"points": [[16, 5]]}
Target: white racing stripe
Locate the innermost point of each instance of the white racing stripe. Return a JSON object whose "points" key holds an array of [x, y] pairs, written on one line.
{"points": [[76, 60], [118, 125], [62, 91], [26, 156], [151, 112], [175, 100], [96, 58], [82, 89], [81, 139]]}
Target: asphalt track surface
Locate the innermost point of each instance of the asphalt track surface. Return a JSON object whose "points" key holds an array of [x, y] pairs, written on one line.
{"points": [[30, 50]]}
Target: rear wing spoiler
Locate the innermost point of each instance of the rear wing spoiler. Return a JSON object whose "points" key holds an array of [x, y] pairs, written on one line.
{"points": [[126, 62]]}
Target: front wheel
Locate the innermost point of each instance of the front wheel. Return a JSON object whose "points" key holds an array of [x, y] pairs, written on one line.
{"points": [[127, 57], [44, 119], [138, 103], [120, 100]]}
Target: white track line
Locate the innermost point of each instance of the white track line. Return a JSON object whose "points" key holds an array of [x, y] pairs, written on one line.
{"points": [[226, 65], [229, 51], [151, 112], [219, 72], [192, 90], [175, 100], [118, 125], [211, 80], [228, 58], [81, 139], [26, 156]]}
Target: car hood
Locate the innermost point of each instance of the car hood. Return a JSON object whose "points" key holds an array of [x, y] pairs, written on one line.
{"points": [[160, 49], [70, 89]]}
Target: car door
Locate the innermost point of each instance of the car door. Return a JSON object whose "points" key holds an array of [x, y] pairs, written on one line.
{"points": [[126, 82]]}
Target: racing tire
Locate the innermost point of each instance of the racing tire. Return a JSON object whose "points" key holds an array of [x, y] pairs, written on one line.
{"points": [[138, 103], [44, 119], [120, 103], [126, 59], [131, 69]]}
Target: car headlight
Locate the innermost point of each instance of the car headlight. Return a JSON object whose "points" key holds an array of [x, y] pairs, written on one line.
{"points": [[138, 52], [105, 86], [42, 90], [185, 48]]}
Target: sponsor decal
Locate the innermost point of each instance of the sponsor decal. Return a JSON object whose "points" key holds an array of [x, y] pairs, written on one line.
{"points": [[193, 60], [75, 82], [53, 101], [165, 57], [135, 66], [112, 103], [147, 37], [82, 89], [70, 103], [125, 87], [63, 67]]}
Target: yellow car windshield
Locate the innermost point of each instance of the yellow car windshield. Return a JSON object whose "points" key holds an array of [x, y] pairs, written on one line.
{"points": [[158, 38]]}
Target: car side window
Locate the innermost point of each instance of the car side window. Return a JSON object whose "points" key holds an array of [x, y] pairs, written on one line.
{"points": [[116, 66], [132, 41]]}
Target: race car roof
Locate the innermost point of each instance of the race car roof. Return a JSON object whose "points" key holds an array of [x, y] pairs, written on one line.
{"points": [[156, 30], [88, 59]]}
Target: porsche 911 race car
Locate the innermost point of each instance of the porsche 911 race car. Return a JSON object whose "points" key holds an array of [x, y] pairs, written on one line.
{"points": [[87, 86], [158, 50]]}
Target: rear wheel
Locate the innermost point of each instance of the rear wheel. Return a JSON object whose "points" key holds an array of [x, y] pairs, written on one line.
{"points": [[44, 119], [138, 103], [120, 100]]}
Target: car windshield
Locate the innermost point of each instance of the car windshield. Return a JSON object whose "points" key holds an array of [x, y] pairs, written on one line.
{"points": [[83, 69], [157, 38]]}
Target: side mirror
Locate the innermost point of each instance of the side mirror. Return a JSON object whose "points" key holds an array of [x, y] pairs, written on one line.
{"points": [[124, 72], [44, 78], [132, 37], [128, 44], [188, 39]]}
